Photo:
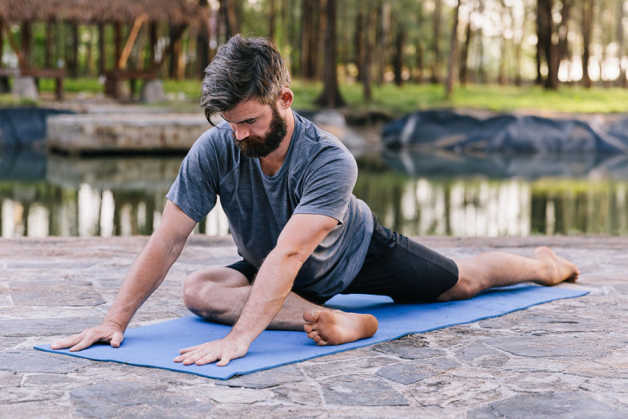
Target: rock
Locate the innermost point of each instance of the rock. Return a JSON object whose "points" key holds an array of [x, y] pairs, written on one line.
{"points": [[24, 88], [409, 347], [127, 399], [152, 92], [449, 130], [406, 373], [549, 405], [265, 379], [360, 390], [41, 362], [55, 294]]}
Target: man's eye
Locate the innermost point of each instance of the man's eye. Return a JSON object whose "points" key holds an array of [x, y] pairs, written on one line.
{"points": [[251, 121]]}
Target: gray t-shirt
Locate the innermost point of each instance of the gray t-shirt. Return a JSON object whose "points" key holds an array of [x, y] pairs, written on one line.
{"points": [[317, 177]]}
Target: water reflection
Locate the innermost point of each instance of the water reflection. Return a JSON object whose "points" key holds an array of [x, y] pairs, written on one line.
{"points": [[415, 194]]}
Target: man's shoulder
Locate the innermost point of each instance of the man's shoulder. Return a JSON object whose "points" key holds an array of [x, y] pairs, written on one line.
{"points": [[319, 141]]}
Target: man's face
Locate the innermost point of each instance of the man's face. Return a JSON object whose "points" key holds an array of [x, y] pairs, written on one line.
{"points": [[258, 129]]}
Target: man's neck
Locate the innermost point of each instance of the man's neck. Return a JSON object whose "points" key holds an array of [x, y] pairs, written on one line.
{"points": [[272, 163]]}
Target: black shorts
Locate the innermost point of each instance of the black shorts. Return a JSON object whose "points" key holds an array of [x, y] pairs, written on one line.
{"points": [[395, 266]]}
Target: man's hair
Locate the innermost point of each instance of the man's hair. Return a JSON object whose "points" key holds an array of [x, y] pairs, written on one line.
{"points": [[243, 69]]}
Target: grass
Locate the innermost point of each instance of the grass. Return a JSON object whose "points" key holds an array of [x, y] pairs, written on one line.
{"points": [[410, 97]]}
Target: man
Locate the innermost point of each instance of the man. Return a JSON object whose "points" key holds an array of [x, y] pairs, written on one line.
{"points": [[286, 187]]}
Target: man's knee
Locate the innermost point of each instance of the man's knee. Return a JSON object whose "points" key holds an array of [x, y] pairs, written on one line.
{"points": [[209, 293], [197, 287], [466, 287]]}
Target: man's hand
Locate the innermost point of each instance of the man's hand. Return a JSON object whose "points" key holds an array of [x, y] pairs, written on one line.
{"points": [[224, 349], [106, 332]]}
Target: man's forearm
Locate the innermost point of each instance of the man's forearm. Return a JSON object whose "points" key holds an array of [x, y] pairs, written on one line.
{"points": [[146, 274], [272, 285]]}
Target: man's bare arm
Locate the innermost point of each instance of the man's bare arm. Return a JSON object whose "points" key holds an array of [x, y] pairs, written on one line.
{"points": [[145, 276], [273, 283]]}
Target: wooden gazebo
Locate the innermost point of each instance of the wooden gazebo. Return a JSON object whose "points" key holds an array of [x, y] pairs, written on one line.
{"points": [[179, 14]]}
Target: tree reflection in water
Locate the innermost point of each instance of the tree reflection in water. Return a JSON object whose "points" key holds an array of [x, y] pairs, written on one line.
{"points": [[414, 193]]}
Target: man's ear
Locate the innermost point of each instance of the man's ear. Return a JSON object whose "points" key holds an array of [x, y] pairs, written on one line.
{"points": [[286, 97]]}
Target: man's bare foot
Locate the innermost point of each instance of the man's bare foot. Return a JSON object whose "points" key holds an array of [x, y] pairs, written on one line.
{"points": [[558, 269], [327, 327]]}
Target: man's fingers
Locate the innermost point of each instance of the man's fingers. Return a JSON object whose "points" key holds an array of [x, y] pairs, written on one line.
{"points": [[224, 361], [116, 339], [190, 349], [207, 359], [88, 340], [67, 342]]}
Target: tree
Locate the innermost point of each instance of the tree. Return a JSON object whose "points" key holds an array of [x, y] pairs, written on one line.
{"points": [[330, 97], [464, 54], [202, 39], [398, 53], [587, 27], [621, 78], [453, 51], [436, 21]]}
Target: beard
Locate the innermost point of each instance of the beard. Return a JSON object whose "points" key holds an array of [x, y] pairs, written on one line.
{"points": [[256, 146]]}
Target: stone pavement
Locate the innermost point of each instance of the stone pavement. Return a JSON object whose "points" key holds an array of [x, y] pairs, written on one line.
{"points": [[565, 359]]}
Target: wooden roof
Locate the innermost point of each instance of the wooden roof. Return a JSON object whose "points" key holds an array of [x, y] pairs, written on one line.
{"points": [[101, 11]]}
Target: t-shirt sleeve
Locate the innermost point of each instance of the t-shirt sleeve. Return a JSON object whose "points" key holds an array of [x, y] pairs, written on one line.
{"points": [[195, 188], [328, 185]]}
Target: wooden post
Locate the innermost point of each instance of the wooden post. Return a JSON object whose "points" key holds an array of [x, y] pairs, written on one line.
{"points": [[152, 41], [27, 37], [137, 25], [117, 40], [102, 57]]}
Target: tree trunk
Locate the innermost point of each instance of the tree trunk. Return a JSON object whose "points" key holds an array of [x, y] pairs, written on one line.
{"points": [[272, 17], [621, 79], [72, 50], [27, 41], [464, 54], [587, 20], [519, 45], [4, 80], [307, 33], [549, 48], [202, 41], [398, 57], [381, 39], [153, 37], [419, 45], [330, 96], [453, 51], [481, 64], [501, 71], [230, 18], [1, 41], [89, 60], [175, 53], [365, 62], [102, 57], [358, 37], [539, 43], [436, 21], [117, 41], [563, 37]]}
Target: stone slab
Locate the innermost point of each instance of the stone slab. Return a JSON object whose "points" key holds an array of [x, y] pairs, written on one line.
{"points": [[565, 353]]}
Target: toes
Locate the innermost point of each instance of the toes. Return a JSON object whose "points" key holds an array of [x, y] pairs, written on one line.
{"points": [[308, 327], [311, 316]]}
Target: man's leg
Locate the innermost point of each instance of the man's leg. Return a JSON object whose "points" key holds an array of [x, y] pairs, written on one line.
{"points": [[494, 269], [219, 294]]}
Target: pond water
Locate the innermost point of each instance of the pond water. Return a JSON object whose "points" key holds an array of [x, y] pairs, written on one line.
{"points": [[413, 193]]}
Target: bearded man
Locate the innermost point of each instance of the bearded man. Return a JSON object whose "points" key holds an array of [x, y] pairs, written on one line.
{"points": [[286, 188]]}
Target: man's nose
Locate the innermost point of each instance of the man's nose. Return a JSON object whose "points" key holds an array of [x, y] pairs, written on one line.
{"points": [[240, 132]]}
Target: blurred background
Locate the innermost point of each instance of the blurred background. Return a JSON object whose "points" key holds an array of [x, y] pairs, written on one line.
{"points": [[467, 117]]}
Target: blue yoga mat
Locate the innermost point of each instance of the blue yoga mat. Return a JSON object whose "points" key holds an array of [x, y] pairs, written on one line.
{"points": [[156, 345]]}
